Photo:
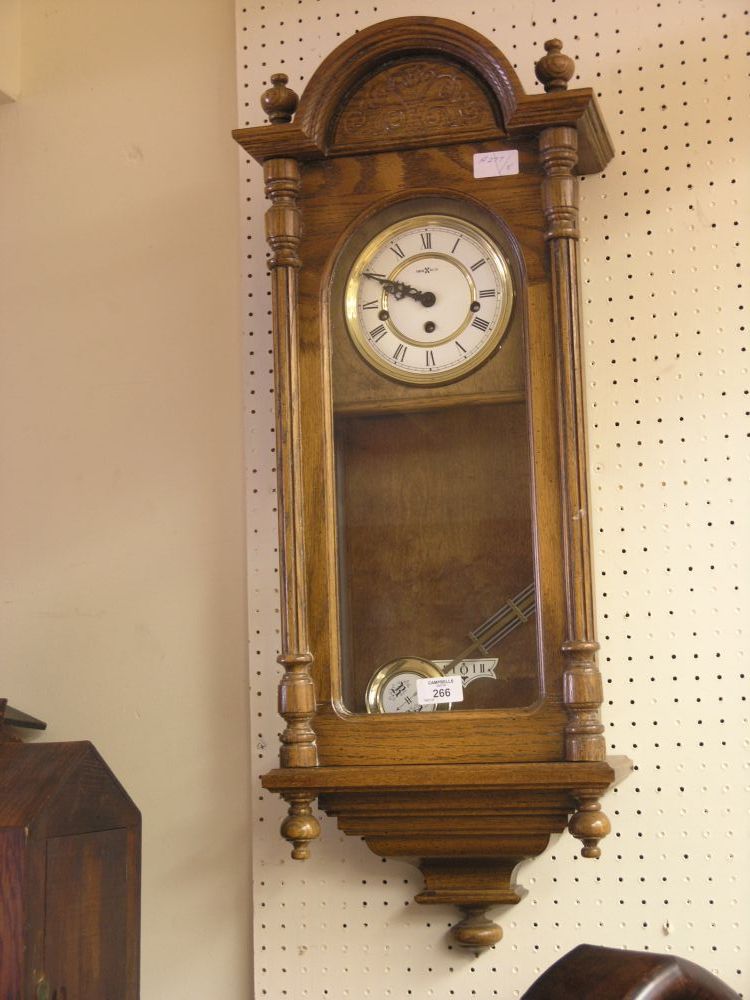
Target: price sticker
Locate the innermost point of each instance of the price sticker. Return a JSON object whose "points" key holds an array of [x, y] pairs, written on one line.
{"points": [[498, 163], [438, 690]]}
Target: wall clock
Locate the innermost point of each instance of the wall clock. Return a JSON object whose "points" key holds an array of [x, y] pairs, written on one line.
{"points": [[440, 687]]}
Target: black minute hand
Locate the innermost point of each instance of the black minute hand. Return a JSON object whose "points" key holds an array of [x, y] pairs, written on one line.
{"points": [[400, 290]]}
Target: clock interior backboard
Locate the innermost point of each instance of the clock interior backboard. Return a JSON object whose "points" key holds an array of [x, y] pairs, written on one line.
{"points": [[435, 536]]}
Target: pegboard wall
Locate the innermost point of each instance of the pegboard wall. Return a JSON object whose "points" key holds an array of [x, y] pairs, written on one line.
{"points": [[667, 382]]}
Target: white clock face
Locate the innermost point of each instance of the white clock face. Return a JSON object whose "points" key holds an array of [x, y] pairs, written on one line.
{"points": [[393, 687], [428, 299], [399, 694]]}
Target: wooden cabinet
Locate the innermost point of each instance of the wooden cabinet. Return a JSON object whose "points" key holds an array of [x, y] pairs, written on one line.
{"points": [[70, 840]]}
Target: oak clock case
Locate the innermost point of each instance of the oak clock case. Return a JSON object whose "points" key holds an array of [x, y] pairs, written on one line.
{"points": [[432, 460]]}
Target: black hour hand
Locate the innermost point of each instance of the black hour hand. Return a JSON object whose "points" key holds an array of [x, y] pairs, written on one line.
{"points": [[400, 290]]}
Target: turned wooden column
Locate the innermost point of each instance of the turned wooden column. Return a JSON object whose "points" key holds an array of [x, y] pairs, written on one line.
{"points": [[296, 689], [582, 684], [582, 687]]}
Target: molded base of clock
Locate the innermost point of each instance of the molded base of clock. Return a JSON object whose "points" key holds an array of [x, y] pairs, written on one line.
{"points": [[467, 827]]}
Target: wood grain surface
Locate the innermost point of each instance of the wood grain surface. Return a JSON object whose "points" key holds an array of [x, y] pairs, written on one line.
{"points": [[70, 842]]}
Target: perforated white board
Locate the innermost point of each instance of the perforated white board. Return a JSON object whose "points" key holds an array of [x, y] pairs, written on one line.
{"points": [[667, 382]]}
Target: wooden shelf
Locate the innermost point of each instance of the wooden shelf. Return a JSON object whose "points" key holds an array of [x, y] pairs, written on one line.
{"points": [[466, 826]]}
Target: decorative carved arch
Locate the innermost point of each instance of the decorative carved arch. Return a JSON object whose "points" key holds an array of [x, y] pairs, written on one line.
{"points": [[358, 57]]}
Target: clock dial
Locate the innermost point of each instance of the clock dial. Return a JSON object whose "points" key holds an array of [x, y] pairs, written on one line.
{"points": [[393, 688], [428, 299]]}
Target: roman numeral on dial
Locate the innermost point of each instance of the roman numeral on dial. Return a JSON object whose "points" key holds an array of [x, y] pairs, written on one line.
{"points": [[400, 353], [378, 333], [479, 323]]}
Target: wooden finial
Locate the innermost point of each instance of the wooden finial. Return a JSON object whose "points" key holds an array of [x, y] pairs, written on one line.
{"points": [[300, 826], [279, 102], [555, 69], [476, 931], [590, 825]]}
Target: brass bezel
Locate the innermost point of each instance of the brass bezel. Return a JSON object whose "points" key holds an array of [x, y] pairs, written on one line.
{"points": [[415, 665], [505, 286]]}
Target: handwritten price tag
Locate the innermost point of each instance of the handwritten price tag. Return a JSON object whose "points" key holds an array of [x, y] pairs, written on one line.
{"points": [[500, 163], [435, 690]]}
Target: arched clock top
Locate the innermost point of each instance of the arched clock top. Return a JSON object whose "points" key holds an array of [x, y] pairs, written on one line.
{"points": [[403, 65], [422, 81]]}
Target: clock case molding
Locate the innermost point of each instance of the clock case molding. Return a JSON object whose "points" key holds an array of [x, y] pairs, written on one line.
{"points": [[467, 796]]}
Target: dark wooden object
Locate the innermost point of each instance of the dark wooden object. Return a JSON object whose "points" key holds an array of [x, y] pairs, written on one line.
{"points": [[593, 973], [396, 113], [70, 841], [14, 718]]}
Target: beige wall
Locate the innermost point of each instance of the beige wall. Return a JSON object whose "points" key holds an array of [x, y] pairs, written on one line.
{"points": [[121, 508]]}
